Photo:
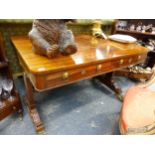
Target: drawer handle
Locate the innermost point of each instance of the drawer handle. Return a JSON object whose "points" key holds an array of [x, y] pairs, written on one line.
{"points": [[99, 67], [83, 72], [65, 75], [139, 57], [130, 60], [121, 62]]}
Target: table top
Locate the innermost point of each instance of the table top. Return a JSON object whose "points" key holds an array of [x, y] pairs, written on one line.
{"points": [[90, 51]]}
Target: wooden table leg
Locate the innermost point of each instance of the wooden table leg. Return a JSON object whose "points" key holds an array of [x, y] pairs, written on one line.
{"points": [[107, 80], [32, 107], [20, 108]]}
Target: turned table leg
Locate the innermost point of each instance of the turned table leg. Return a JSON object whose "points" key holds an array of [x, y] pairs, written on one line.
{"points": [[107, 80], [32, 106]]}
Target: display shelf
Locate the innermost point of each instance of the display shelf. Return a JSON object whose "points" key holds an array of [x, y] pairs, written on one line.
{"points": [[136, 32], [136, 22]]}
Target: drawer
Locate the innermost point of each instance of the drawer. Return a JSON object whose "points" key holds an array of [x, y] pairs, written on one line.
{"points": [[69, 76], [131, 60]]}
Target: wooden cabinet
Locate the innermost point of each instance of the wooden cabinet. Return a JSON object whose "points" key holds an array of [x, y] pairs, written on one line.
{"points": [[6, 106]]}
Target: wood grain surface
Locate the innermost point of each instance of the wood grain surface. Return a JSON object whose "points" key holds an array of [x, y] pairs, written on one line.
{"points": [[90, 50]]}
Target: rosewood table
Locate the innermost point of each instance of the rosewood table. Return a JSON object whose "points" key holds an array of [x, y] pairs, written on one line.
{"points": [[95, 57]]}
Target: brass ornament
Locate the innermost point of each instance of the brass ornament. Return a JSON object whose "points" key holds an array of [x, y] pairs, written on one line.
{"points": [[65, 75], [130, 60], [121, 62], [98, 67], [83, 72]]}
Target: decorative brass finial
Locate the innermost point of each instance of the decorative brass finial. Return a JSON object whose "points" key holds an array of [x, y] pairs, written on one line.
{"points": [[97, 29]]}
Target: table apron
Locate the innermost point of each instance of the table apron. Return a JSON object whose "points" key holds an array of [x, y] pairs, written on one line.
{"points": [[42, 82]]}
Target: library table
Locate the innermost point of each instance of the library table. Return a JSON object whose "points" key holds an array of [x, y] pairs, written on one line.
{"points": [[94, 58]]}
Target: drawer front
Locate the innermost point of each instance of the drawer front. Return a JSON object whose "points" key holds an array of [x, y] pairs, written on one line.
{"points": [[69, 76]]}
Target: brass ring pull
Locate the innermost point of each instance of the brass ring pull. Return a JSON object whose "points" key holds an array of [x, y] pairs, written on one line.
{"points": [[130, 60], [83, 72], [121, 62], [65, 75], [98, 67], [139, 57]]}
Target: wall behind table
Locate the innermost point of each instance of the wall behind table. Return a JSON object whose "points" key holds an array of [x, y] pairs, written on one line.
{"points": [[18, 27], [14, 28], [85, 26]]}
